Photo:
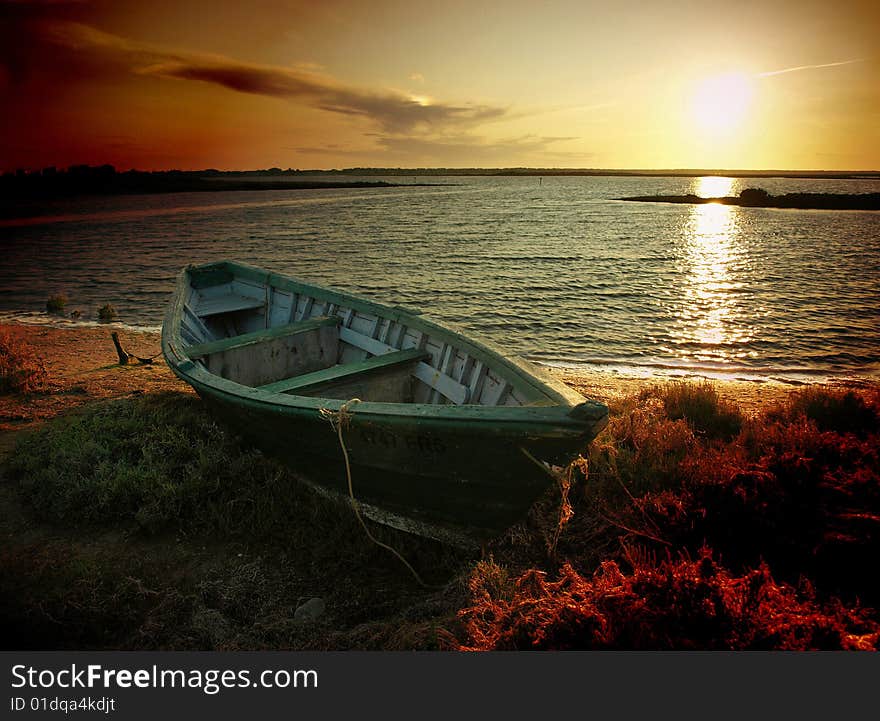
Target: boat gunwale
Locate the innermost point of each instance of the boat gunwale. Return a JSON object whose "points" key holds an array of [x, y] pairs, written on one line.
{"points": [[556, 414]]}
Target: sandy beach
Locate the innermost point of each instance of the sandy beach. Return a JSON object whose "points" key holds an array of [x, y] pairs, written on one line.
{"points": [[83, 367]]}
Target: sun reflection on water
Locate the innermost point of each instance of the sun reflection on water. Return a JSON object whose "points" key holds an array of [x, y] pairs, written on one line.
{"points": [[712, 186], [709, 326]]}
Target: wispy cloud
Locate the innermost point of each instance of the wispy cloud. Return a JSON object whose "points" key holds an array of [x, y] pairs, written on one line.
{"points": [[810, 67], [393, 111], [474, 149], [456, 149]]}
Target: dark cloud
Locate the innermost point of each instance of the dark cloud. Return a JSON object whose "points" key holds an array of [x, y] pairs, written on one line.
{"points": [[38, 5], [395, 112], [49, 55]]}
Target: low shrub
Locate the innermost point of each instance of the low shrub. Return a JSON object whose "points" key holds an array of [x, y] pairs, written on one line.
{"points": [[161, 463], [159, 460], [804, 500], [700, 406], [639, 451], [842, 411]]}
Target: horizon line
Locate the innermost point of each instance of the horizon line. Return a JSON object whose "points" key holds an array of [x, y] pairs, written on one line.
{"points": [[458, 169]]}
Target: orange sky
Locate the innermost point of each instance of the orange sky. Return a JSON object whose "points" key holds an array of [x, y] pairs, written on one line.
{"points": [[197, 84]]}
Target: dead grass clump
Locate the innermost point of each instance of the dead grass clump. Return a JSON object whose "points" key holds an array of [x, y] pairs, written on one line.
{"points": [[842, 411], [793, 495], [21, 370], [674, 605], [56, 303], [700, 406], [107, 312], [639, 451]]}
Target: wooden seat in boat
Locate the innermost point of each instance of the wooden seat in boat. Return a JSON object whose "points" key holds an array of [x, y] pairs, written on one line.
{"points": [[260, 336], [347, 372]]}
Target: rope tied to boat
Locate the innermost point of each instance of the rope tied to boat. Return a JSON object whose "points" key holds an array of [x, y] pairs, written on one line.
{"points": [[564, 479], [340, 421]]}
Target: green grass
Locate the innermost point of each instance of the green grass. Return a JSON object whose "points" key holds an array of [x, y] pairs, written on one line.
{"points": [[158, 461], [199, 542], [161, 463]]}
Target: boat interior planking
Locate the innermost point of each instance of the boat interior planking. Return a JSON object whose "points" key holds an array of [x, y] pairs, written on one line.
{"points": [[284, 336]]}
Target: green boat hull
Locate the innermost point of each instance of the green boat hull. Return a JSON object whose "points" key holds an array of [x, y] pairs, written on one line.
{"points": [[441, 470]]}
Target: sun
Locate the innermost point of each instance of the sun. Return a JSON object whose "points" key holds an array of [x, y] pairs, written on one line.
{"points": [[720, 103]]}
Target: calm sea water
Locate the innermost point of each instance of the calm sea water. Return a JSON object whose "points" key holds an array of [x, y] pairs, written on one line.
{"points": [[553, 269]]}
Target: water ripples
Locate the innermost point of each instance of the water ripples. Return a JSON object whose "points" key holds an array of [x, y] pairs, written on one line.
{"points": [[558, 271]]}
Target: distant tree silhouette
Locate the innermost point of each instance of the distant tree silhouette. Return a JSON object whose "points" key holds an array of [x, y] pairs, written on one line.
{"points": [[754, 196]]}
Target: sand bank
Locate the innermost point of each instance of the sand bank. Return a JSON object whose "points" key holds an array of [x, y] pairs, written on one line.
{"points": [[83, 367]]}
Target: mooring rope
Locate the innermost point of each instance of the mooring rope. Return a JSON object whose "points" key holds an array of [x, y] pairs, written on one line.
{"points": [[125, 356], [339, 421]]}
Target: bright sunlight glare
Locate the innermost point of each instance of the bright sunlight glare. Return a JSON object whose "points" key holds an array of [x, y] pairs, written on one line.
{"points": [[721, 102]]}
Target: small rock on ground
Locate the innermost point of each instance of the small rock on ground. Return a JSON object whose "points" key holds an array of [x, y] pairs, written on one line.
{"points": [[310, 610]]}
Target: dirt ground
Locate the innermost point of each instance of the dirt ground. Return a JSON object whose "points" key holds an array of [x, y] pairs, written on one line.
{"points": [[82, 367]]}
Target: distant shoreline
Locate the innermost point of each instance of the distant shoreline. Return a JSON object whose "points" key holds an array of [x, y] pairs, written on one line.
{"points": [[22, 188], [594, 172], [36, 188], [756, 198]]}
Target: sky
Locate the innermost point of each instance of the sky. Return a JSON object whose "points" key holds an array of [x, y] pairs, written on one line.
{"points": [[195, 84]]}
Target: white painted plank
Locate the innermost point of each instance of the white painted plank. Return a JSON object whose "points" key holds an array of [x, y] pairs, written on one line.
{"points": [[227, 304], [359, 340], [280, 314], [453, 390], [363, 323], [197, 322], [477, 381], [213, 291], [446, 354]]}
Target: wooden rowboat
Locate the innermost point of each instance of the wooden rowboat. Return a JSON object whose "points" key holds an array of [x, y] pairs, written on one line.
{"points": [[450, 439]]}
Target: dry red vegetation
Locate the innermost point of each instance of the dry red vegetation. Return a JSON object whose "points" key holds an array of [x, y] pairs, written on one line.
{"points": [[783, 517], [21, 371], [805, 501], [680, 604]]}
